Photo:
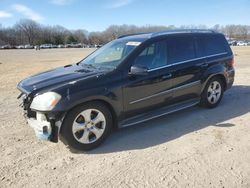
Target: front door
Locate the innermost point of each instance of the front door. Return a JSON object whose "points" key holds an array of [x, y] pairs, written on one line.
{"points": [[146, 92]]}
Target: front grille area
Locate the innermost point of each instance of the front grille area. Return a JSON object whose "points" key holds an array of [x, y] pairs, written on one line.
{"points": [[25, 104], [26, 101], [31, 114]]}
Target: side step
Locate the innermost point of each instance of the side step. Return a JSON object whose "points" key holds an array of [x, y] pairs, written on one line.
{"points": [[158, 113]]}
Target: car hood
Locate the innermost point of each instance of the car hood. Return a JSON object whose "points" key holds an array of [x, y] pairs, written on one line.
{"points": [[56, 77]]}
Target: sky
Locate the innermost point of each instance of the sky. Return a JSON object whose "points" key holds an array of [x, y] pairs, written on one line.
{"points": [[97, 15]]}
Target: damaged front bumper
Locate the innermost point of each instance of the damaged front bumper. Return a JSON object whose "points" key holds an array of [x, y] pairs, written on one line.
{"points": [[45, 125], [41, 126], [45, 129]]}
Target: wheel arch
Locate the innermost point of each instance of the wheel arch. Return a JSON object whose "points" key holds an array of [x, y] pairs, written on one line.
{"points": [[217, 70], [105, 102], [221, 76]]}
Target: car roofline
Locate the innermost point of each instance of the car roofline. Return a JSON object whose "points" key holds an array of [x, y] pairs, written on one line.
{"points": [[167, 32]]}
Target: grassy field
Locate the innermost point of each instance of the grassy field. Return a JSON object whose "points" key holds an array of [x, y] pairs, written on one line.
{"points": [[192, 148]]}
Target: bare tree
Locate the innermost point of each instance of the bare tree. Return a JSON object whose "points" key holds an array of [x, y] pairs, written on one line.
{"points": [[95, 38], [242, 32], [216, 27], [80, 36], [30, 28], [30, 32], [1, 35]]}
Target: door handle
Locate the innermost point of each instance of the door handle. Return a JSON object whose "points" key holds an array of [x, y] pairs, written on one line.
{"points": [[166, 76]]}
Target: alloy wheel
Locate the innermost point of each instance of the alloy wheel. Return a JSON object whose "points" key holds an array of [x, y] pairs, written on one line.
{"points": [[89, 126], [214, 92]]}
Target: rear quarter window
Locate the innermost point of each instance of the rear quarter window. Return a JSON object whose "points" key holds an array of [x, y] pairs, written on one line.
{"points": [[214, 44]]}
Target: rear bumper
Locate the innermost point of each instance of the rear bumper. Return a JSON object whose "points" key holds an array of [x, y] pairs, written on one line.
{"points": [[230, 78]]}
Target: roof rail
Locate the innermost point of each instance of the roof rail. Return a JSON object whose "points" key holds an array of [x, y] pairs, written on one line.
{"points": [[153, 34], [132, 34], [184, 31]]}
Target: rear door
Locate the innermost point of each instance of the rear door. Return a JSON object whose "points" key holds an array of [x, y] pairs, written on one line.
{"points": [[187, 67]]}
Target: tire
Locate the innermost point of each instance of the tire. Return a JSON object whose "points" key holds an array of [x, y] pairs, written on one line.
{"points": [[212, 93], [86, 127]]}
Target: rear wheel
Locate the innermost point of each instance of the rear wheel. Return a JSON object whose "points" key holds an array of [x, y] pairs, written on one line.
{"points": [[86, 127], [212, 93]]}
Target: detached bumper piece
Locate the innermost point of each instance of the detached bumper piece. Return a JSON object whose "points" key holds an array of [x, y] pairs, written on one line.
{"points": [[41, 126]]}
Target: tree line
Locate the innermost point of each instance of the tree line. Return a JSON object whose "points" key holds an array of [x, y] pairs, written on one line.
{"points": [[30, 32]]}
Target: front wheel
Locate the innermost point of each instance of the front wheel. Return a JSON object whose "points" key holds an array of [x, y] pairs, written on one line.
{"points": [[212, 93], [87, 126]]}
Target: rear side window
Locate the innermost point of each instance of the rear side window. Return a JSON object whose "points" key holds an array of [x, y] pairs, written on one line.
{"points": [[214, 44], [199, 47], [181, 49]]}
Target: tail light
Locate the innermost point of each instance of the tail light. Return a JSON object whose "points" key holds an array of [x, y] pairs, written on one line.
{"points": [[231, 62]]}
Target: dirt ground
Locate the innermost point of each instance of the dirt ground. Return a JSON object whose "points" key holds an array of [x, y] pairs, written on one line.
{"points": [[192, 148]]}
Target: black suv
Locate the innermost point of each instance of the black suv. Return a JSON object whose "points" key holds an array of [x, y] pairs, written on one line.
{"points": [[130, 80]]}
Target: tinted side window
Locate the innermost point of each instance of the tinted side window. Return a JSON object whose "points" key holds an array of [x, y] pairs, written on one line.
{"points": [[200, 52], [181, 49], [148, 51], [153, 56], [214, 44]]}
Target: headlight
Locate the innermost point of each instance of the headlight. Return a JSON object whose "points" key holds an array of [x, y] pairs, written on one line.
{"points": [[45, 102]]}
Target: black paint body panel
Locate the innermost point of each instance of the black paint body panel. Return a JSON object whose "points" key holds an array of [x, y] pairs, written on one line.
{"points": [[128, 95]]}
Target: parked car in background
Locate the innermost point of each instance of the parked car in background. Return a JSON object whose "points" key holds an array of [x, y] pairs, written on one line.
{"points": [[20, 47], [84, 45], [98, 46], [46, 46], [28, 46], [60, 46], [73, 45], [37, 47], [241, 43], [93, 46], [232, 42], [6, 46], [128, 81]]}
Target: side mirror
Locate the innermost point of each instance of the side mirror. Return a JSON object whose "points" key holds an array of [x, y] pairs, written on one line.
{"points": [[138, 71]]}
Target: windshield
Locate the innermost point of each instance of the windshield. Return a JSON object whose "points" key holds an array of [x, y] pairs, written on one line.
{"points": [[111, 55]]}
